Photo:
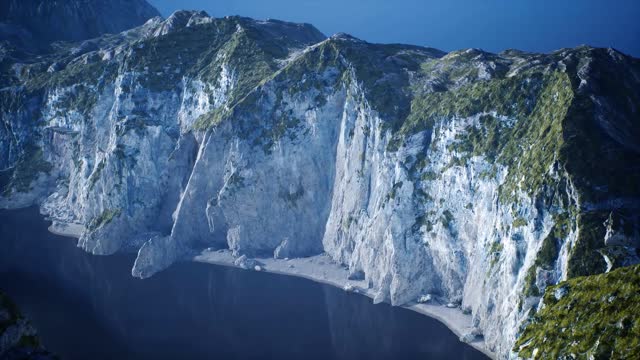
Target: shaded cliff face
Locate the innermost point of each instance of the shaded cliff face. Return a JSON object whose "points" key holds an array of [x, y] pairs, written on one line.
{"points": [[33, 24], [475, 177]]}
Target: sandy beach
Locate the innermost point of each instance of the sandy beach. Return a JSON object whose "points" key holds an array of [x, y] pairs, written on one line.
{"points": [[66, 229]]}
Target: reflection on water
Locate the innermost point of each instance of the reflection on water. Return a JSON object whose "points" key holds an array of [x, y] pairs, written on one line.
{"points": [[90, 307], [384, 332]]}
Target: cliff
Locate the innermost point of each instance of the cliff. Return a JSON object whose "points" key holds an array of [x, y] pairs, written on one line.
{"points": [[478, 178]]}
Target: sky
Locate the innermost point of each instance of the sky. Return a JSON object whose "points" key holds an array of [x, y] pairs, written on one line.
{"points": [[491, 25]]}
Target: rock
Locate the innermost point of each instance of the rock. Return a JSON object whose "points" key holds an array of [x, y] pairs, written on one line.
{"points": [[356, 275], [467, 338], [4, 315], [348, 288], [379, 298], [18, 338], [257, 268], [560, 292], [424, 299], [451, 305], [283, 250], [245, 263], [155, 255], [56, 66], [476, 332]]}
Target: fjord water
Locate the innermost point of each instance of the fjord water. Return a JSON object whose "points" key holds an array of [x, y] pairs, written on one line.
{"points": [[89, 307]]}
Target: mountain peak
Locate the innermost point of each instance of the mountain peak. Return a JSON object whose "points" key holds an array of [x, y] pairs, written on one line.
{"points": [[345, 36], [181, 19]]}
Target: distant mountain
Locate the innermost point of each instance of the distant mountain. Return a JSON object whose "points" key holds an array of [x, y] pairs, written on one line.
{"points": [[34, 24]]}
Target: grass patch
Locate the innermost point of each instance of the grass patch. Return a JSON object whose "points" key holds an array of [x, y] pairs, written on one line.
{"points": [[104, 218], [599, 317]]}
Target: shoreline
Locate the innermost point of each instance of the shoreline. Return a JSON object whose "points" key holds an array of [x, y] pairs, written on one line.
{"points": [[321, 269], [65, 229]]}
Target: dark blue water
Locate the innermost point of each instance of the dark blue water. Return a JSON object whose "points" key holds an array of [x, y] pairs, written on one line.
{"points": [[89, 307]]}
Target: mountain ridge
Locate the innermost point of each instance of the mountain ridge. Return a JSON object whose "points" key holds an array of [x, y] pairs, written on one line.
{"points": [[34, 24]]}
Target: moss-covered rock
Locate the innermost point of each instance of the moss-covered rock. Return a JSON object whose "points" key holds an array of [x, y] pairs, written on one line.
{"points": [[18, 338], [104, 218], [28, 168], [596, 317]]}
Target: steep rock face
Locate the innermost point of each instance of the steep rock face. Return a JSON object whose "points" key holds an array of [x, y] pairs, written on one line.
{"points": [[33, 24], [478, 178]]}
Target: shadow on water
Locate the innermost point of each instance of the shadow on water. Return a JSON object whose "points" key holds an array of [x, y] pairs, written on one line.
{"points": [[88, 306]]}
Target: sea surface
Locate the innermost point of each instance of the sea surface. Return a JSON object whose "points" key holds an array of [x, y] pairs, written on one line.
{"points": [[90, 307]]}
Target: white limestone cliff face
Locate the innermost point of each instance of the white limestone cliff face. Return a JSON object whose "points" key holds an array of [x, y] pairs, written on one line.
{"points": [[334, 188], [386, 224], [254, 202]]}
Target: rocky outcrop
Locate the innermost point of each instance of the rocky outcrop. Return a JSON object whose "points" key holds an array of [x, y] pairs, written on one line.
{"points": [[18, 338], [478, 178], [605, 326]]}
